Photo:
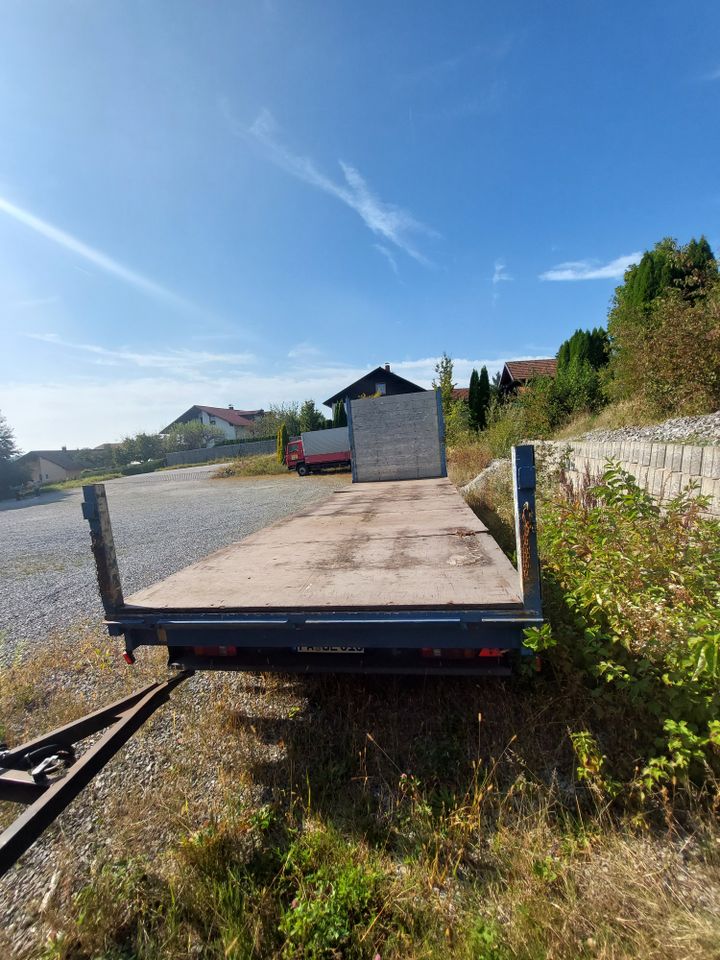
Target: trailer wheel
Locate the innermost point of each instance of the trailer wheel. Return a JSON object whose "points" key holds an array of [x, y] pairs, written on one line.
{"points": [[302, 470]]}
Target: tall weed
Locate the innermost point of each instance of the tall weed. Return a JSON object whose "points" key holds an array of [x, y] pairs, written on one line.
{"points": [[633, 592]]}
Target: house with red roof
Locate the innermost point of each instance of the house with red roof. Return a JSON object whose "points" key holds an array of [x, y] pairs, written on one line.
{"points": [[235, 424], [516, 373]]}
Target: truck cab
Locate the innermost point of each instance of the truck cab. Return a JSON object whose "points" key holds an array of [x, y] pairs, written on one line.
{"points": [[295, 456]]}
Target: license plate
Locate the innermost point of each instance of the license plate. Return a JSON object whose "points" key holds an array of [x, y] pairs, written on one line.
{"points": [[330, 649]]}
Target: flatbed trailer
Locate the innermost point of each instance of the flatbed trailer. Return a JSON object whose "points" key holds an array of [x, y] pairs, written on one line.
{"points": [[384, 577]]}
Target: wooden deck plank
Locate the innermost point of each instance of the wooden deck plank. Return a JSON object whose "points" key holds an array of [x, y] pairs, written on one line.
{"points": [[419, 546]]}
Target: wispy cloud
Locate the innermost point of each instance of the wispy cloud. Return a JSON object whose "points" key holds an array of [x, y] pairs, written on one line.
{"points": [[438, 71], [181, 361], [386, 220], [712, 75], [34, 302], [591, 269], [304, 350], [87, 410], [388, 254], [96, 257], [500, 275]]}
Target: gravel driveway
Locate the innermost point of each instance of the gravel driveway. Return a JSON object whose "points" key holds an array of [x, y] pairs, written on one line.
{"points": [[161, 521]]}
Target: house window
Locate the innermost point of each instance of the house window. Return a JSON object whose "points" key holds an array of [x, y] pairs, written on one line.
{"points": [[212, 421], [380, 388]]}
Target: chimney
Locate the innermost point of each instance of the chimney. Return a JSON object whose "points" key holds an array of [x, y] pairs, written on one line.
{"points": [[387, 367]]}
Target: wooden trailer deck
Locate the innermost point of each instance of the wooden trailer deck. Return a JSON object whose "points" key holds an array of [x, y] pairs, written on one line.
{"points": [[412, 544]]}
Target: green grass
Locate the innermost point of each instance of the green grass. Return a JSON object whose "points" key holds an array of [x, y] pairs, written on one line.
{"points": [[80, 481], [256, 466], [623, 413], [415, 818], [407, 819]]}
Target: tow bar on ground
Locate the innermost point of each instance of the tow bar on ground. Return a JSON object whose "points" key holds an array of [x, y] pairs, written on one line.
{"points": [[47, 774]]}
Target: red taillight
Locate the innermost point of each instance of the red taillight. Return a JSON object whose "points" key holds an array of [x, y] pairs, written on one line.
{"points": [[461, 654]]}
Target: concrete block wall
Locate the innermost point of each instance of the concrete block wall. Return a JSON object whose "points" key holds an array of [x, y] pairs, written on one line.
{"points": [[397, 438], [663, 469], [226, 451]]}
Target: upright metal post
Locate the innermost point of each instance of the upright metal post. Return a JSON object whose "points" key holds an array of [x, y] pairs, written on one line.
{"points": [[524, 479], [353, 468], [95, 510], [441, 433]]}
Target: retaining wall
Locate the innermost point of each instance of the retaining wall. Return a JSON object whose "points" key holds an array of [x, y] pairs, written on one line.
{"points": [[229, 450], [663, 469]]}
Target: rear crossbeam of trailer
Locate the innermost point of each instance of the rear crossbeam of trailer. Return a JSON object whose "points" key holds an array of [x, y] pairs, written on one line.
{"points": [[384, 577]]}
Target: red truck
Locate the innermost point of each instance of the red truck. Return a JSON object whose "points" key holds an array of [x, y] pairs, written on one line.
{"points": [[316, 450]]}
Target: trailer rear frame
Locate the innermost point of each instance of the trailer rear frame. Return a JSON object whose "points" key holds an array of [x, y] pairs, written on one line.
{"points": [[376, 640]]}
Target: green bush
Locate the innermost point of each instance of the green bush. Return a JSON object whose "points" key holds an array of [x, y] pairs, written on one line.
{"points": [[132, 469], [241, 440], [507, 426], [632, 595], [458, 428]]}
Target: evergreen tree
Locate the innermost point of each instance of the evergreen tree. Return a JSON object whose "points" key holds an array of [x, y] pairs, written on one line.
{"points": [[474, 399], [483, 399], [310, 417], [339, 418], [282, 442], [584, 347]]}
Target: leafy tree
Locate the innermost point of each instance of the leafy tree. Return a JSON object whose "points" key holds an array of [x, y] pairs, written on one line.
{"points": [[339, 418], [444, 381], [458, 423], [282, 442], [100, 459], [185, 436], [8, 447], [310, 418], [147, 446], [669, 273], [675, 362], [577, 388], [11, 474], [277, 414]]}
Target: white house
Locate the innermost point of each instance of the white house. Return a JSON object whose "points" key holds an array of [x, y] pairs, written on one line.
{"points": [[235, 424], [52, 466]]}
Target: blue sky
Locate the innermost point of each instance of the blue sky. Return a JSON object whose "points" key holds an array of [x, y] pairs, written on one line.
{"points": [[253, 202]]}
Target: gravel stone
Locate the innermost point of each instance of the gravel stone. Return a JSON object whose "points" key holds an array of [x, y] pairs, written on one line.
{"points": [[161, 522], [704, 429]]}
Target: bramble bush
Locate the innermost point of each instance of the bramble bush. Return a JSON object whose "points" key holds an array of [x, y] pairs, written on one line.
{"points": [[632, 593]]}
